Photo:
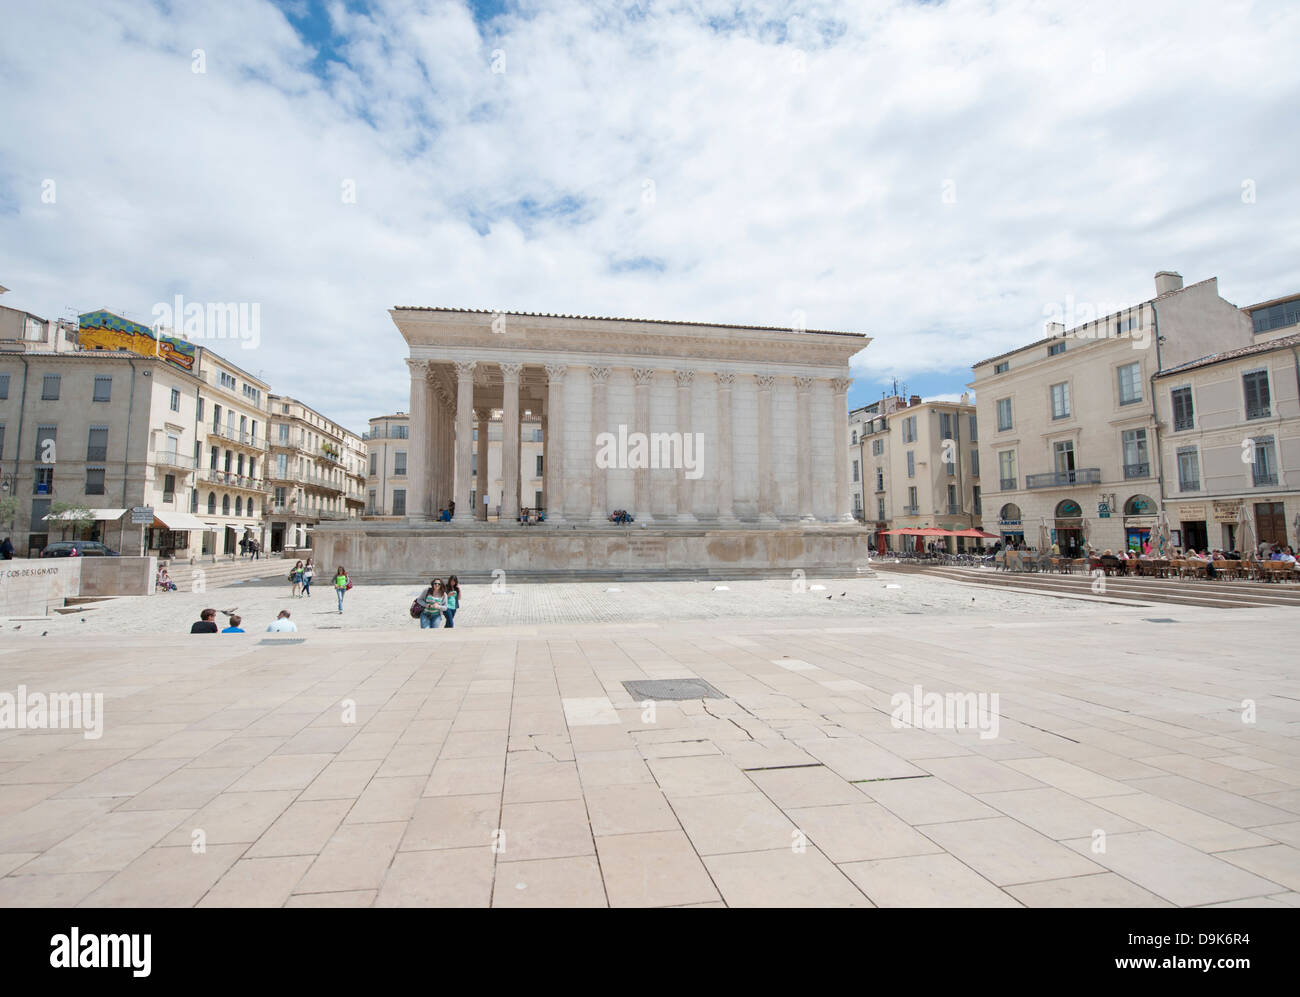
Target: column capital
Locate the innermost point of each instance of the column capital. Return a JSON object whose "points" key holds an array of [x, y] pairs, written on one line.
{"points": [[556, 371], [765, 381], [599, 375], [804, 383], [643, 375], [465, 368], [419, 368], [685, 378], [841, 384], [726, 378], [510, 371]]}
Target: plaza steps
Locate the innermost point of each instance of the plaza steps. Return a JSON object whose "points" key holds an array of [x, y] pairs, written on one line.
{"points": [[722, 574], [1134, 591], [224, 571]]}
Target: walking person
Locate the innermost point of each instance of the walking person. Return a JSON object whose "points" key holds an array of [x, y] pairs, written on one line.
{"points": [[341, 584], [6, 549], [432, 601], [307, 574], [295, 576], [453, 600]]}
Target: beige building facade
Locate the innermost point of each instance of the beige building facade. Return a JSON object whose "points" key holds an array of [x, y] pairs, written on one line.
{"points": [[318, 472], [388, 442], [1068, 426]]}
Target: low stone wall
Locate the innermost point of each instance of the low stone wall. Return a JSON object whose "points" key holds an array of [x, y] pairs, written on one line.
{"points": [[107, 576], [34, 586], [382, 552]]}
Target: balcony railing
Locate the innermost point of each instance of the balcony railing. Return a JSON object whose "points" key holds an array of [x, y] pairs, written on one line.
{"points": [[235, 480], [242, 437], [1264, 479], [1008, 484], [167, 458], [1060, 479], [954, 508], [911, 510], [1137, 470]]}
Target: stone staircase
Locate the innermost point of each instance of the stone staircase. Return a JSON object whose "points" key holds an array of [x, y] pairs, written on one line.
{"points": [[225, 571]]}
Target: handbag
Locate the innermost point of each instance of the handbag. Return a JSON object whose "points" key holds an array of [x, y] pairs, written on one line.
{"points": [[416, 609], [349, 586]]}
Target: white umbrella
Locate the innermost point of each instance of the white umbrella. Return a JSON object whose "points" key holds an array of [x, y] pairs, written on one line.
{"points": [[1162, 531], [1245, 531]]}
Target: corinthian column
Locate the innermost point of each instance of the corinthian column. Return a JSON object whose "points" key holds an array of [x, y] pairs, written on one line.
{"points": [[726, 490], [464, 439], [417, 457], [685, 426], [599, 476], [483, 480], [803, 448], [510, 440], [553, 443], [766, 483], [840, 411], [643, 377]]}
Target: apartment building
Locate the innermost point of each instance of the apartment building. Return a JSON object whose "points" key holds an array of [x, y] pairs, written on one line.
{"points": [[1068, 423], [387, 442], [1230, 438], [916, 465], [318, 471]]}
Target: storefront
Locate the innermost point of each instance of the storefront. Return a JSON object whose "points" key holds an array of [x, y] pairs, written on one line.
{"points": [[1140, 513], [1270, 523], [1010, 526], [1191, 520], [1068, 531], [1227, 514]]}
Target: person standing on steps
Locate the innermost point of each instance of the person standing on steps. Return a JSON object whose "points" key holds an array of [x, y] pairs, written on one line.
{"points": [[341, 584]]}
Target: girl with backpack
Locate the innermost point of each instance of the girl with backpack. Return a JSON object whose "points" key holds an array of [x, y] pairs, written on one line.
{"points": [[431, 602]]}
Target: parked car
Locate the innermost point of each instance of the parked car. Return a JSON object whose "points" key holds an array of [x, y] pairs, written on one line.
{"points": [[85, 548]]}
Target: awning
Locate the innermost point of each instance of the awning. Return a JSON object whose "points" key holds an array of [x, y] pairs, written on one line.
{"points": [[173, 520], [103, 515]]}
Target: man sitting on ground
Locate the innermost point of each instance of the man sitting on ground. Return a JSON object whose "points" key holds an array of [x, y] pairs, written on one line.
{"points": [[206, 624], [283, 624]]}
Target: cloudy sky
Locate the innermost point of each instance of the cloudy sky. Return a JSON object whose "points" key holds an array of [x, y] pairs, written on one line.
{"points": [[939, 175]]}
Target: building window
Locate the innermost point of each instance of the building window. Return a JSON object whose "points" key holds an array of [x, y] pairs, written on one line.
{"points": [[1002, 368], [1184, 415], [975, 500], [880, 509], [46, 444], [227, 380], [953, 506], [50, 387], [399, 501], [911, 463], [169, 488], [975, 463], [1064, 454], [225, 505], [1004, 414], [1189, 470], [974, 430], [97, 443], [43, 481], [401, 432], [239, 505], [945, 426], [909, 429], [2, 441], [1130, 383], [855, 438], [880, 479], [1263, 467], [4, 386], [212, 503], [198, 409], [1137, 460], [1055, 349], [94, 481], [1258, 401], [399, 463], [912, 506], [1061, 400], [1276, 316], [374, 463], [877, 447], [855, 470], [103, 388], [539, 467], [1007, 470]]}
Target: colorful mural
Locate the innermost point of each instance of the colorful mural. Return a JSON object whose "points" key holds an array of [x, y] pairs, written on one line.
{"points": [[105, 331]]}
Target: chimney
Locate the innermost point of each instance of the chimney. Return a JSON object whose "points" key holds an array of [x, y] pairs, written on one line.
{"points": [[1167, 280], [1055, 329], [914, 400]]}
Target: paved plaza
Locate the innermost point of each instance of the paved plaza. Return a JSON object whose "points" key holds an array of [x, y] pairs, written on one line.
{"points": [[1142, 758]]}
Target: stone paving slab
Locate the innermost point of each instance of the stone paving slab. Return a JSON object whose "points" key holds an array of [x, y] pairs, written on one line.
{"points": [[509, 766]]}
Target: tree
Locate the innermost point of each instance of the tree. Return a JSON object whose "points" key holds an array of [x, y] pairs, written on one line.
{"points": [[8, 511], [71, 516]]}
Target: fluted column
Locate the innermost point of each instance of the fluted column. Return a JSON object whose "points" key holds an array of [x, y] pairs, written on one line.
{"points": [[840, 412], [464, 439], [766, 483], [417, 451], [643, 377], [686, 426], [553, 443], [803, 448], [726, 490], [510, 440], [599, 476], [483, 480]]}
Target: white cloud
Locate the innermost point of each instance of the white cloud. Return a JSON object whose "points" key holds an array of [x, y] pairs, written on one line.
{"points": [[1086, 148]]}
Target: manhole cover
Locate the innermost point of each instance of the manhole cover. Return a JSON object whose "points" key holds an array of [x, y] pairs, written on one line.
{"points": [[283, 640], [672, 689]]}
